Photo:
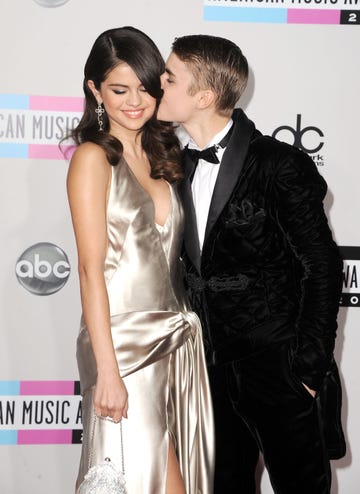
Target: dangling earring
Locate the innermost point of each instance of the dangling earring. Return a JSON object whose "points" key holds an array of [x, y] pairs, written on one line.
{"points": [[100, 111]]}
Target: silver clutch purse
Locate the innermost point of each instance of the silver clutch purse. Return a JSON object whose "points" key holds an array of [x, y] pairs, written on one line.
{"points": [[104, 477]]}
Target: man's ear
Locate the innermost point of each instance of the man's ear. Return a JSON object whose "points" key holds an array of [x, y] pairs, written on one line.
{"points": [[95, 92], [206, 99]]}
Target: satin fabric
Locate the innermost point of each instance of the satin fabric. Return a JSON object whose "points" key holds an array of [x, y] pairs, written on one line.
{"points": [[159, 349]]}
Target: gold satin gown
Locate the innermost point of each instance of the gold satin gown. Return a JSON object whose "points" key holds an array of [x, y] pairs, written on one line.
{"points": [[158, 344]]}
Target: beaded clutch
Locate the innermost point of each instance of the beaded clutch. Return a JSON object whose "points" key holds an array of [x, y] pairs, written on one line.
{"points": [[104, 477]]}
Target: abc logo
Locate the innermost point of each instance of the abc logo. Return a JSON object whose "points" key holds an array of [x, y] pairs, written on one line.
{"points": [[43, 269], [51, 3]]}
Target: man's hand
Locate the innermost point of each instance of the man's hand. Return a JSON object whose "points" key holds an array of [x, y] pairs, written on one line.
{"points": [[311, 391]]}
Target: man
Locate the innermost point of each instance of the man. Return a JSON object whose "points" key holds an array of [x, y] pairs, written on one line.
{"points": [[264, 275]]}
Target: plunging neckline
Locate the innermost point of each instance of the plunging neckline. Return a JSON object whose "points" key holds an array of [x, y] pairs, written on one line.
{"points": [[162, 227]]}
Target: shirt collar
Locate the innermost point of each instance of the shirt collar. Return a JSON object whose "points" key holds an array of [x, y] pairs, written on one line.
{"points": [[215, 140]]}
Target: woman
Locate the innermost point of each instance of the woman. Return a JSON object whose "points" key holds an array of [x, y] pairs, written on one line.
{"points": [[139, 349]]}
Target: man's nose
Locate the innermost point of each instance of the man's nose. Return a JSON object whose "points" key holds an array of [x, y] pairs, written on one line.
{"points": [[162, 80]]}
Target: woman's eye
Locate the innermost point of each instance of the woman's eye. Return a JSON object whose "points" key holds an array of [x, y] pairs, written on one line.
{"points": [[119, 91]]}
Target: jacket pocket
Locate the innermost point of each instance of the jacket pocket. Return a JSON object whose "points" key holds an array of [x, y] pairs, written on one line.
{"points": [[244, 214]]}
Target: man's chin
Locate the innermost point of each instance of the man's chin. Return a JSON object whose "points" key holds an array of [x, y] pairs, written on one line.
{"points": [[163, 115]]}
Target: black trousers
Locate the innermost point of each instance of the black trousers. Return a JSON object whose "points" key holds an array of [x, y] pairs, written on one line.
{"points": [[260, 403]]}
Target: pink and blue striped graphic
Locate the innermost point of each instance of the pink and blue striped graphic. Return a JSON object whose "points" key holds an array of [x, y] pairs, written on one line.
{"points": [[26, 103], [37, 389], [241, 13]]}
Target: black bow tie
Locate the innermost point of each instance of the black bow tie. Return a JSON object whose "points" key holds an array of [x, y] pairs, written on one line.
{"points": [[208, 154]]}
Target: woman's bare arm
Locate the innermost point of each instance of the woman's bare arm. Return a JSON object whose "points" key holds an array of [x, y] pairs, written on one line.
{"points": [[87, 184]]}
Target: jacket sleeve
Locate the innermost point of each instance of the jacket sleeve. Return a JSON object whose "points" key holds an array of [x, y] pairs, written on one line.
{"points": [[299, 192]]}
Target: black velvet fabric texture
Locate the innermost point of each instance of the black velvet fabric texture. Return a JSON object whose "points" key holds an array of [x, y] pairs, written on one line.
{"points": [[283, 419], [270, 272]]}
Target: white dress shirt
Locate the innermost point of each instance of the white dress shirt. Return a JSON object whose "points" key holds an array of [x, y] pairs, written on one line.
{"points": [[204, 182]]}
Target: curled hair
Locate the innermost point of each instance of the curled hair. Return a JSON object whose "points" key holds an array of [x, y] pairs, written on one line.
{"points": [[129, 45], [217, 64]]}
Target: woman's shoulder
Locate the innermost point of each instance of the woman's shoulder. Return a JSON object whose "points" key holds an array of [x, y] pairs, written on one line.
{"points": [[89, 156], [89, 160], [89, 151]]}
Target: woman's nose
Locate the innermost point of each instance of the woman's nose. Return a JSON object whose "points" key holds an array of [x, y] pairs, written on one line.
{"points": [[134, 98]]}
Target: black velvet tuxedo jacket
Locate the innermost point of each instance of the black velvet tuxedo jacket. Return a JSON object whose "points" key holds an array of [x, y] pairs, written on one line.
{"points": [[269, 268]]}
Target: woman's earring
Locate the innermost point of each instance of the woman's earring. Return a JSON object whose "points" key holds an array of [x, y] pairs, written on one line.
{"points": [[100, 111]]}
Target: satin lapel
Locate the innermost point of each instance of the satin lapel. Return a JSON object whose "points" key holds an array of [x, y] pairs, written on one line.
{"points": [[230, 168], [191, 237]]}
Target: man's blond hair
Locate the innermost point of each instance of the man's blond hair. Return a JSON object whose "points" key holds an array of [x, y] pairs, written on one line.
{"points": [[217, 64]]}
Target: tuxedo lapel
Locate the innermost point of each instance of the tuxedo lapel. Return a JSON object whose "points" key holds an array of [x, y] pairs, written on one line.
{"points": [[230, 168], [191, 237]]}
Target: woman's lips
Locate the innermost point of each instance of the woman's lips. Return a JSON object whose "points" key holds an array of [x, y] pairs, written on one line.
{"points": [[133, 113]]}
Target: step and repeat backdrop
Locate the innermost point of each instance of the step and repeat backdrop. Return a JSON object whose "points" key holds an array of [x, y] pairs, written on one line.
{"points": [[303, 89]]}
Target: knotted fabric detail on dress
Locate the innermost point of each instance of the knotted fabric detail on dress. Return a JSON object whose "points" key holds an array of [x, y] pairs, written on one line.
{"points": [[140, 338]]}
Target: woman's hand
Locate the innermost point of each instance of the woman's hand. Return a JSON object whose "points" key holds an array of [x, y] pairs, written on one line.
{"points": [[110, 397]]}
